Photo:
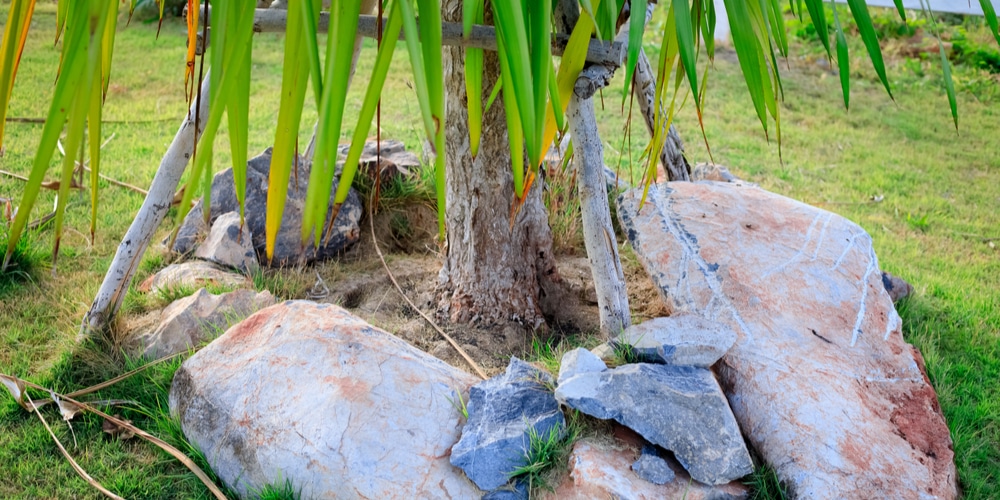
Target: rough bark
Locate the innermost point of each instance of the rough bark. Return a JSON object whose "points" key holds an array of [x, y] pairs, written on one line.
{"points": [[493, 273], [672, 156], [154, 209]]}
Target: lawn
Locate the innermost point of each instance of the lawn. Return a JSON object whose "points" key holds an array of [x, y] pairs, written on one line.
{"points": [[926, 192]]}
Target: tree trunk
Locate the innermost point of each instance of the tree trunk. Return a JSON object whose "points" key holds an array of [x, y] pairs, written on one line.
{"points": [[598, 233], [492, 273], [154, 209]]}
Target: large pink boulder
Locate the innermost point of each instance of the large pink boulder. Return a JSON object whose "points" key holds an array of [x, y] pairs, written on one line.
{"points": [[820, 379], [313, 395]]}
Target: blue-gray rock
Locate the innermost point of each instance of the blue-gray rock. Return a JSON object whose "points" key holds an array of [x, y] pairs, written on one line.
{"points": [[288, 247], [502, 410], [652, 467], [578, 361], [682, 339], [517, 491], [680, 408]]}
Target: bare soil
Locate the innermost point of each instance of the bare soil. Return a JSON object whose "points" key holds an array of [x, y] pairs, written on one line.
{"points": [[358, 282]]}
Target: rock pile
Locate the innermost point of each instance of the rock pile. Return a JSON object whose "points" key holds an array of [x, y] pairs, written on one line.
{"points": [[288, 249]]}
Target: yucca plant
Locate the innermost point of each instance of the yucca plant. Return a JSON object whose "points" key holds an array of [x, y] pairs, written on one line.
{"points": [[488, 159]]}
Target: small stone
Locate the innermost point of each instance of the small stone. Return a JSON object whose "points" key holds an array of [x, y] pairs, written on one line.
{"points": [[652, 467], [682, 339], [192, 320], [229, 244], [897, 287], [680, 408], [502, 411], [193, 274], [605, 351], [579, 361]]}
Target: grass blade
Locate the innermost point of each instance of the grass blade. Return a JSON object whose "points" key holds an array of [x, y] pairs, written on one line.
{"points": [[190, 80], [14, 35], [76, 467], [867, 30], [294, 82]]}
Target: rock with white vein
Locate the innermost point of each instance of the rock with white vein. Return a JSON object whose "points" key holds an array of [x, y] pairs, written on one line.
{"points": [[820, 378]]}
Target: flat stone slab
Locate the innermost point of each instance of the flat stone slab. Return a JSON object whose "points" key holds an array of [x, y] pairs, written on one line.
{"points": [[311, 394], [820, 377], [680, 408], [681, 339]]}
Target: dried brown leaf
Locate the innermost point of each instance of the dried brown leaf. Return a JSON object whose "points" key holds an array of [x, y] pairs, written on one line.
{"points": [[115, 430]]}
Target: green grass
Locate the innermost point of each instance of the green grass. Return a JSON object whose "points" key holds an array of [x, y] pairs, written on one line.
{"points": [[934, 227]]}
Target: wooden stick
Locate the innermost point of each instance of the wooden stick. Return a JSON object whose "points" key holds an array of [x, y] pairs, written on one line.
{"points": [[481, 37]]}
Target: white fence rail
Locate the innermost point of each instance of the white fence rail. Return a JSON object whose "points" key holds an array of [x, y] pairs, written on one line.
{"points": [[951, 6]]}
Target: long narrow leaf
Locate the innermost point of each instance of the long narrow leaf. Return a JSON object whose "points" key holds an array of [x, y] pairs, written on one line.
{"points": [[474, 77], [431, 43], [818, 17], [340, 52], [238, 109], [843, 61], [67, 86], [991, 18], [864, 21], [372, 95], [14, 35], [637, 22], [294, 83], [686, 42]]}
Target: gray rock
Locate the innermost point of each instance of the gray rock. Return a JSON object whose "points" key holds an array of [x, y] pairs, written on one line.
{"points": [[311, 394], [579, 361], [712, 172], [829, 392], [230, 245], [652, 467], [193, 274], [288, 248], [680, 408], [502, 411], [192, 320], [192, 232], [682, 339]]}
